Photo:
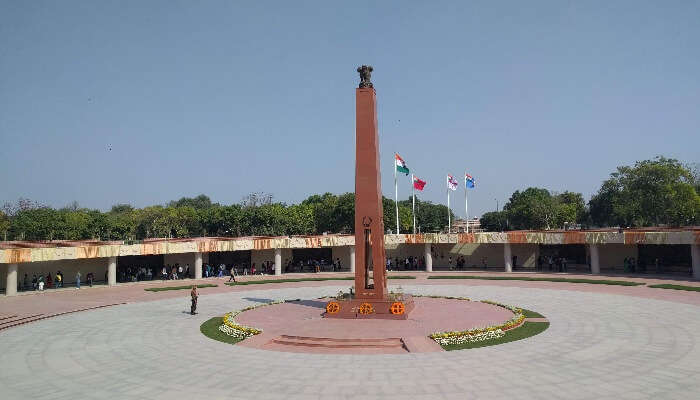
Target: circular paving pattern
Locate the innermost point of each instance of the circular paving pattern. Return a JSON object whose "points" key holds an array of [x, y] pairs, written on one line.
{"points": [[598, 346]]}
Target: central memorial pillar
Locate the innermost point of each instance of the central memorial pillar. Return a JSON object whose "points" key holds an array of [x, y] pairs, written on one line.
{"points": [[370, 273], [371, 298]]}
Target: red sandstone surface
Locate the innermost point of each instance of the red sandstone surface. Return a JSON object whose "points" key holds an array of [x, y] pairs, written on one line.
{"points": [[303, 319]]}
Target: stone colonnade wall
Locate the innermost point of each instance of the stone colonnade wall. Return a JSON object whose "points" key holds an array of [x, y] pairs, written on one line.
{"points": [[183, 259], [612, 256], [69, 268], [344, 254], [474, 253]]}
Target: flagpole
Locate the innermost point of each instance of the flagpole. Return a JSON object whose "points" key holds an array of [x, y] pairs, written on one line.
{"points": [[466, 204], [396, 196], [413, 191], [449, 222]]}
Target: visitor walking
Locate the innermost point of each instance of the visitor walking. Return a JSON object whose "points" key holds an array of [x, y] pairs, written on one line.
{"points": [[194, 295], [77, 279], [233, 274]]}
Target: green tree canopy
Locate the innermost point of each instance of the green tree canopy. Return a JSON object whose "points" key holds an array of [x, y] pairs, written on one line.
{"points": [[494, 221], [652, 192], [200, 202]]}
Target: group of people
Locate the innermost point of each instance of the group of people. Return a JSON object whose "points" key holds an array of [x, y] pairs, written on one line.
{"points": [[555, 263], [313, 265], [412, 263], [211, 271], [41, 282], [167, 272], [407, 263]]}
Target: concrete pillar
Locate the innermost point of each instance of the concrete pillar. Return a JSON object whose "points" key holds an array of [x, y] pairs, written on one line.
{"points": [[278, 261], [595, 259], [428, 258], [507, 257], [112, 271], [695, 255], [11, 282], [197, 265], [352, 259]]}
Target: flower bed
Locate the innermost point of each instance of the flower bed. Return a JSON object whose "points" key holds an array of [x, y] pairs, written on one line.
{"points": [[481, 334], [231, 328]]}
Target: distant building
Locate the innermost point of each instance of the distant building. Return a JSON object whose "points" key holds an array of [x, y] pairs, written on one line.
{"points": [[460, 226]]}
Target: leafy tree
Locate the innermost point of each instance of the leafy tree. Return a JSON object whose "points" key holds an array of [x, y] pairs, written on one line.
{"points": [[533, 208], [200, 202], [121, 208], [4, 224], [652, 192], [36, 224], [572, 207], [429, 217], [121, 222], [494, 221]]}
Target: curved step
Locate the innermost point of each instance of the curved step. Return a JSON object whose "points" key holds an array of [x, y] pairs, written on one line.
{"points": [[335, 343]]}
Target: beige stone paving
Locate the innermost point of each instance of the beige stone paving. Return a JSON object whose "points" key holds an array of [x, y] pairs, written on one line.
{"points": [[599, 345]]}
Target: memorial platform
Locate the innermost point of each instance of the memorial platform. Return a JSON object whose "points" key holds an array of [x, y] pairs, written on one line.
{"points": [[299, 327]]}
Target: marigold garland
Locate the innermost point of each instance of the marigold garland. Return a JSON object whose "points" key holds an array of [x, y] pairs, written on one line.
{"points": [[231, 328]]}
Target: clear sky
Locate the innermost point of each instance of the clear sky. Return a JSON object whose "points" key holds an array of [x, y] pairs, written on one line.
{"points": [[227, 98]]}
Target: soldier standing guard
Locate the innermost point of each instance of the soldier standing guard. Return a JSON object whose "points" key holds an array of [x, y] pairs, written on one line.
{"points": [[194, 294]]}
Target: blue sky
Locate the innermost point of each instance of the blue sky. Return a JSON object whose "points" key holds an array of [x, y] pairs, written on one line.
{"points": [[227, 98]]}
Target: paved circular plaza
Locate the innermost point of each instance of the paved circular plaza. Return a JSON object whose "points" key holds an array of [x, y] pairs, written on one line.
{"points": [[599, 345]]}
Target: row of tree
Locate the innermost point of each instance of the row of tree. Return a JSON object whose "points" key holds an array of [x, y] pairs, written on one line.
{"points": [[256, 214], [652, 192]]}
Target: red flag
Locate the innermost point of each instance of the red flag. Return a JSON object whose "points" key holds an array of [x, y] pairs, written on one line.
{"points": [[418, 184]]}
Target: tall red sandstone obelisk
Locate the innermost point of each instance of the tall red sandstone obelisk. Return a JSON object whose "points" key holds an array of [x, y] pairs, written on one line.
{"points": [[370, 271]]}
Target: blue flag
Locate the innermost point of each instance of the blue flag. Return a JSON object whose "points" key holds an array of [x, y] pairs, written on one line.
{"points": [[469, 182]]}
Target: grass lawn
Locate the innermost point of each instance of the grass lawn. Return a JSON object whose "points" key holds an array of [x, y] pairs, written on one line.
{"points": [[526, 330], [532, 314], [210, 329], [162, 289], [676, 287], [346, 278], [525, 278]]}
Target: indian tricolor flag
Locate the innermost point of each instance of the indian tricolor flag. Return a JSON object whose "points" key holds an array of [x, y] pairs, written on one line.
{"points": [[401, 165]]}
